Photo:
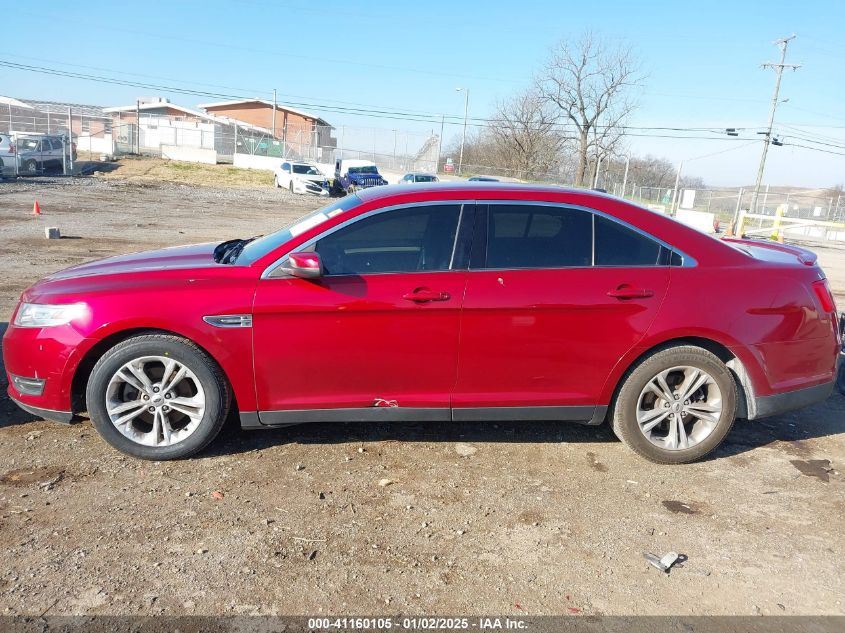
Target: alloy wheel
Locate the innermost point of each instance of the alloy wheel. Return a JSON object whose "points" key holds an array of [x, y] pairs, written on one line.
{"points": [[155, 401], [679, 407]]}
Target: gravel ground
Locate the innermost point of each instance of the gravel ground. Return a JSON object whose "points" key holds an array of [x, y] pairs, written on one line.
{"points": [[523, 518]]}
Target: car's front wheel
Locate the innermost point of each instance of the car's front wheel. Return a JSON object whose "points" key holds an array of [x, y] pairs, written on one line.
{"points": [[675, 406], [157, 397]]}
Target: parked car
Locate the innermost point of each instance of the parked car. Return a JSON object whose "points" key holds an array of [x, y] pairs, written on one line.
{"points": [[418, 177], [301, 178], [41, 153], [482, 179], [450, 302], [351, 175], [7, 156]]}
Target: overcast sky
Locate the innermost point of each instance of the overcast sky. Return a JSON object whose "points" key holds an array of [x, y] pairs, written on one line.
{"points": [[702, 62]]}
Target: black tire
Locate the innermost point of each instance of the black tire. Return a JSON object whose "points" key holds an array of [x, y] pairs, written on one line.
{"points": [[290, 185], [624, 407], [209, 374], [840, 381]]}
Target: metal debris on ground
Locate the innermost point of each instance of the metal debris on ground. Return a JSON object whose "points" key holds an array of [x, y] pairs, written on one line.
{"points": [[665, 563]]}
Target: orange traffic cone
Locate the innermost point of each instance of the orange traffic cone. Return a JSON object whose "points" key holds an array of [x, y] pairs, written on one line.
{"points": [[36, 208]]}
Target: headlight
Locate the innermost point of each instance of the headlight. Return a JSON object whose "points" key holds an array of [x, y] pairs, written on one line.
{"points": [[46, 315]]}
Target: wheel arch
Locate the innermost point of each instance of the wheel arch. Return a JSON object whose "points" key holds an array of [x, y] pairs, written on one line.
{"points": [[736, 365], [86, 364]]}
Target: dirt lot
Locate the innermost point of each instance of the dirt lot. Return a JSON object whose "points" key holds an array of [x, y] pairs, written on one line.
{"points": [[527, 518]]}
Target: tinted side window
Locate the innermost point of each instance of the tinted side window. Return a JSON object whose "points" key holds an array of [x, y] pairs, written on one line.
{"points": [[617, 245], [404, 240], [534, 236]]}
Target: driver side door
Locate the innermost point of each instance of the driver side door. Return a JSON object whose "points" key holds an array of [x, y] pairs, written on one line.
{"points": [[375, 337]]}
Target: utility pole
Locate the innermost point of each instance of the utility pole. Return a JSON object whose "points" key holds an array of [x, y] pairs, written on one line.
{"points": [[464, 136], [778, 68]]}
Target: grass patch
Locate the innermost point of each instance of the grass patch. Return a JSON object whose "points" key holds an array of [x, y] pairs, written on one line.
{"points": [[144, 169]]}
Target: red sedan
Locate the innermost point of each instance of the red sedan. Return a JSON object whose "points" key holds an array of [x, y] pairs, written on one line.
{"points": [[473, 302]]}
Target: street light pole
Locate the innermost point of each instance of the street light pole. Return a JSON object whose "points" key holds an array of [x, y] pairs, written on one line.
{"points": [[675, 193], [464, 135]]}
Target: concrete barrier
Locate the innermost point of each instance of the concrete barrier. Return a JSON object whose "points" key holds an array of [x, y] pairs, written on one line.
{"points": [[189, 154], [95, 144], [249, 161], [701, 220]]}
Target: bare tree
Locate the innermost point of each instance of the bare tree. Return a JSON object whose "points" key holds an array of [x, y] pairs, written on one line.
{"points": [[590, 83], [526, 135]]}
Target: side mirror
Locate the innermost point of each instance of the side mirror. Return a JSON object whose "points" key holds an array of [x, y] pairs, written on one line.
{"points": [[303, 265]]}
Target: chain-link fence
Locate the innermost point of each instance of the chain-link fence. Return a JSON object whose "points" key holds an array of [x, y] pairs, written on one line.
{"points": [[45, 137]]}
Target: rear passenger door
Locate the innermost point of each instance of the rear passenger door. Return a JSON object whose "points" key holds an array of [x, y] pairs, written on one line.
{"points": [[555, 296]]}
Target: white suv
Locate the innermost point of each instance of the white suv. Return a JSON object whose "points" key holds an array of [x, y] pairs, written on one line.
{"points": [[301, 178]]}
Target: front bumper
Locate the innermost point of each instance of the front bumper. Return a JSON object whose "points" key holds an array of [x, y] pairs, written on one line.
{"points": [[318, 188], [65, 417], [49, 355]]}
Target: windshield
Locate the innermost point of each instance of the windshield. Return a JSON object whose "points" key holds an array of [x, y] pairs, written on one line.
{"points": [[28, 144], [260, 247], [426, 178], [366, 169], [308, 170]]}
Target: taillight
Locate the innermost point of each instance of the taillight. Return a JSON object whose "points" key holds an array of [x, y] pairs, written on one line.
{"points": [[822, 290], [11, 149]]}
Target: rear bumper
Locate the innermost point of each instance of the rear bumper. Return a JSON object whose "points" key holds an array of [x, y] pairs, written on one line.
{"points": [[65, 417], [791, 400]]}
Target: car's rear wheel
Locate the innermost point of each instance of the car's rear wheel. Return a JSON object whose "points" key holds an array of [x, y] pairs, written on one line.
{"points": [[157, 397], [30, 166], [675, 406]]}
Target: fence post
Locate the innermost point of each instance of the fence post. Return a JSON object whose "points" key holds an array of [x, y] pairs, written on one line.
{"points": [[70, 136]]}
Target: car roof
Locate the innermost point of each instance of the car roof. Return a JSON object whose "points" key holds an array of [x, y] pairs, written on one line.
{"points": [[467, 189]]}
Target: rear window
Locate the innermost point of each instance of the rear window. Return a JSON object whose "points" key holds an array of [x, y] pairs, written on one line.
{"points": [[533, 236]]}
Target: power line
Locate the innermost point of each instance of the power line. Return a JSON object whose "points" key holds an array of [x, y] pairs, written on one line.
{"points": [[815, 149], [401, 115]]}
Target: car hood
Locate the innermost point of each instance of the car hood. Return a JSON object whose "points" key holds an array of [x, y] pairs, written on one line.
{"points": [[314, 177], [193, 256]]}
